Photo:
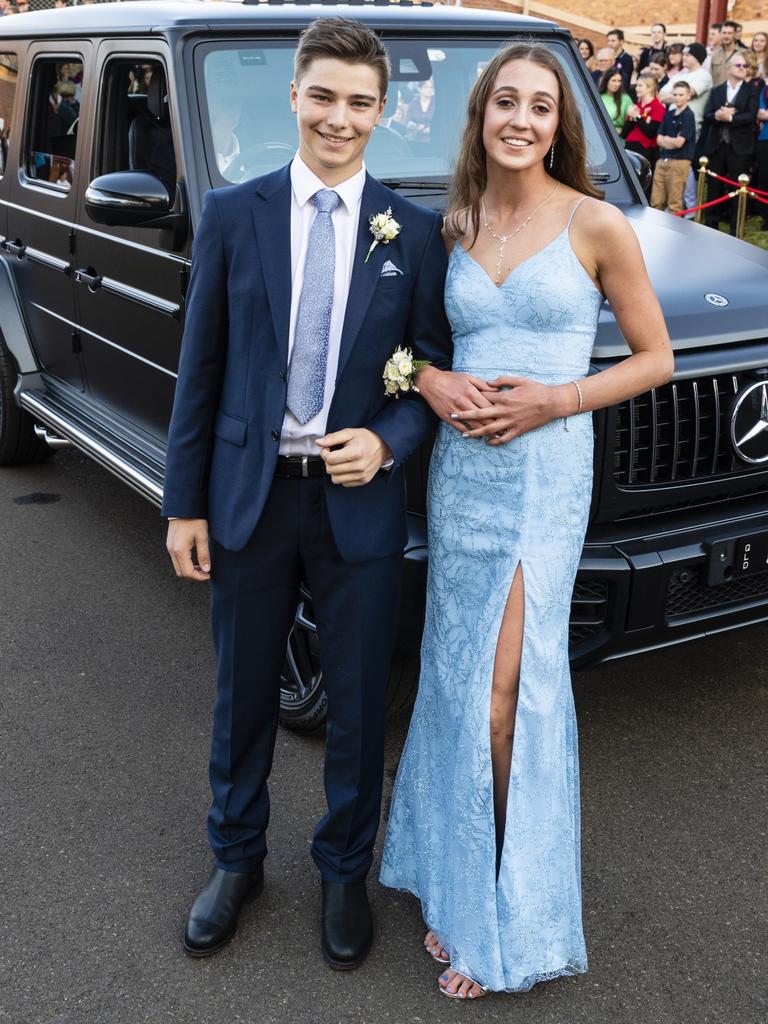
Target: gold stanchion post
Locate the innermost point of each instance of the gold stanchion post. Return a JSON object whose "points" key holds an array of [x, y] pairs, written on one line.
{"points": [[701, 187], [741, 208]]}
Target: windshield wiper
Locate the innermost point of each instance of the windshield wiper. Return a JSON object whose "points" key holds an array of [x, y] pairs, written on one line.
{"points": [[439, 184]]}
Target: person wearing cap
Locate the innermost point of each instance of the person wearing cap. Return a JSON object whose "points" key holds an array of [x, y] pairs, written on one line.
{"points": [[697, 77]]}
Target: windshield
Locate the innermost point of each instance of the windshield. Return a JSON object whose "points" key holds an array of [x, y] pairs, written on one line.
{"points": [[251, 129]]}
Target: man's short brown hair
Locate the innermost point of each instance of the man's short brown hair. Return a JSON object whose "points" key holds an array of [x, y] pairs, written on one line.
{"points": [[342, 39]]}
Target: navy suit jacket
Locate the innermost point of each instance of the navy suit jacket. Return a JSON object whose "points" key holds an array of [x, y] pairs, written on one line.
{"points": [[232, 385], [741, 130]]}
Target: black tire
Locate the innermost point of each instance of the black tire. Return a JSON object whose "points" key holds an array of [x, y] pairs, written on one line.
{"points": [[303, 700], [19, 445]]}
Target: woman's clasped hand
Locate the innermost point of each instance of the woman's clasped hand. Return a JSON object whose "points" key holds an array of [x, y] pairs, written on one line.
{"points": [[515, 406]]}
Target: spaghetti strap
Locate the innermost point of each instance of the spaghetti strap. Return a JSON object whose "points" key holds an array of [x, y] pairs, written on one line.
{"points": [[577, 204]]}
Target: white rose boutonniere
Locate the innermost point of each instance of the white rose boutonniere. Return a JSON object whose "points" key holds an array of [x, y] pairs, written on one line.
{"points": [[400, 370], [384, 228]]}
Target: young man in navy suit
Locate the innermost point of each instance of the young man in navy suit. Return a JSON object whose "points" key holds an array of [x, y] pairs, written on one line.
{"points": [[285, 464]]}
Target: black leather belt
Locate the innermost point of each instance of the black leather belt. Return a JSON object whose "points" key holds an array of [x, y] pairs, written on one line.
{"points": [[299, 466]]}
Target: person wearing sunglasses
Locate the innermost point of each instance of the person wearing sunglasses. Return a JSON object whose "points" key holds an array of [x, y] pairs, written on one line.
{"points": [[728, 135]]}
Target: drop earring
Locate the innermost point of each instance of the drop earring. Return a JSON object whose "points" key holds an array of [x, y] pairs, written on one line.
{"points": [[552, 156]]}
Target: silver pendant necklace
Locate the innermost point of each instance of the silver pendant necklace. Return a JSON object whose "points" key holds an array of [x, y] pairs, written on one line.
{"points": [[503, 239]]}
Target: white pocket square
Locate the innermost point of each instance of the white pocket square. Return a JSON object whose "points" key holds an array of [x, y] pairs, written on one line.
{"points": [[390, 270]]}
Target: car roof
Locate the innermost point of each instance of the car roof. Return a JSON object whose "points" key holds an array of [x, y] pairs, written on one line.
{"points": [[157, 17]]}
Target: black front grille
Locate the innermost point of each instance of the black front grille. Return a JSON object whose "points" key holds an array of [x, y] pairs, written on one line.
{"points": [[589, 606], [677, 432], [689, 593]]}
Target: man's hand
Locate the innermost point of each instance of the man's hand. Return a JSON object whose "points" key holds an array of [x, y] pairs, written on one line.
{"points": [[358, 459], [184, 537], [446, 392]]}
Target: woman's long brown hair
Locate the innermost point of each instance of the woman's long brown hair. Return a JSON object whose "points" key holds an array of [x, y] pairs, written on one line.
{"points": [[471, 176]]}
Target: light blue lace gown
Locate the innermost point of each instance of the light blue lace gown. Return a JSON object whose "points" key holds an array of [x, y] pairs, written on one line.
{"points": [[491, 509]]}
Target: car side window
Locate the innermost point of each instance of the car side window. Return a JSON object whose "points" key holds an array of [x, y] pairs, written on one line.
{"points": [[135, 123], [9, 73], [52, 121]]}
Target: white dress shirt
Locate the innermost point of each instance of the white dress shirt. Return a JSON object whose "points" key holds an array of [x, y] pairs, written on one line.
{"points": [[730, 91], [297, 438]]}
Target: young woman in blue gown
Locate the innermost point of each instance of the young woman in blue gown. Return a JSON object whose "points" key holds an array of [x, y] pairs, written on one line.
{"points": [[484, 830]]}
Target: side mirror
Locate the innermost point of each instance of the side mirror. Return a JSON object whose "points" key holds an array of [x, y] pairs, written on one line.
{"points": [[130, 199], [642, 169]]}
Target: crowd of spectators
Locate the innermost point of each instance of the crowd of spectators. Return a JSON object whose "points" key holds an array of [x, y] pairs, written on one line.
{"points": [[672, 102], [23, 6], [675, 102]]}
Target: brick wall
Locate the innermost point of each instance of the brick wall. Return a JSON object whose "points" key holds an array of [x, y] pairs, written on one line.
{"points": [[640, 12], [635, 12], [576, 31]]}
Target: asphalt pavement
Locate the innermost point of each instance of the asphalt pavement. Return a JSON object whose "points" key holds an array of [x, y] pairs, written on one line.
{"points": [[106, 685]]}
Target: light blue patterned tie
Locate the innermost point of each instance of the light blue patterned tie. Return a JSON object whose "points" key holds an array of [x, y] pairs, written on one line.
{"points": [[306, 384]]}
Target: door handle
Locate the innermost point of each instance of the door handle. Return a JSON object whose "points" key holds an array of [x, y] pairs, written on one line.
{"points": [[93, 280], [16, 248]]}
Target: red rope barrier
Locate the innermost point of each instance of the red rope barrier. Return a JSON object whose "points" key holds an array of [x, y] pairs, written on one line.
{"points": [[712, 202], [757, 198], [735, 183]]}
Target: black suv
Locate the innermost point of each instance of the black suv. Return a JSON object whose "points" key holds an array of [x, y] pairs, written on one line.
{"points": [[115, 119]]}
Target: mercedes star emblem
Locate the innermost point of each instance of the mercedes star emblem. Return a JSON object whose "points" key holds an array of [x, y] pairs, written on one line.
{"points": [[716, 300], [749, 423]]}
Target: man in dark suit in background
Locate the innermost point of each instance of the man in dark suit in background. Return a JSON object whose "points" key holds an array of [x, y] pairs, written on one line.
{"points": [[728, 135], [615, 39], [285, 464]]}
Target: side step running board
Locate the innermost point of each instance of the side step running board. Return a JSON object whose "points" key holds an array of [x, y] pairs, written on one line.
{"points": [[51, 439], [64, 423]]}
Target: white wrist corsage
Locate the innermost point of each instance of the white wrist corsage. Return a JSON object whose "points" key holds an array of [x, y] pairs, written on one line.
{"points": [[384, 228], [400, 370]]}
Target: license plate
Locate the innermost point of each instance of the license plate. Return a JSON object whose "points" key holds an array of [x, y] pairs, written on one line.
{"points": [[739, 556], [751, 555]]}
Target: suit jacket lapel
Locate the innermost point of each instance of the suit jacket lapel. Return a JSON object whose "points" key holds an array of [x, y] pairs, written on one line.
{"points": [[375, 199], [272, 223]]}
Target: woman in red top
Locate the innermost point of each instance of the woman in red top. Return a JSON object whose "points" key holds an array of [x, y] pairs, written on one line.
{"points": [[644, 119]]}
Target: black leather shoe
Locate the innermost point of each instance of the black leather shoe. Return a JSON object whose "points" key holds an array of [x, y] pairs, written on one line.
{"points": [[212, 920], [347, 924]]}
